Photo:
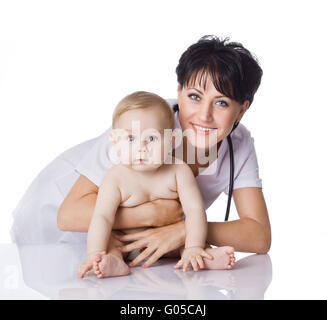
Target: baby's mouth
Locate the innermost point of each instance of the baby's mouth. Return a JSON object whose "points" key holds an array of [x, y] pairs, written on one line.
{"points": [[141, 161]]}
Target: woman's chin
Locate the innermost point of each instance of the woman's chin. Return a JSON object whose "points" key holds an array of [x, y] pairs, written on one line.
{"points": [[202, 143]]}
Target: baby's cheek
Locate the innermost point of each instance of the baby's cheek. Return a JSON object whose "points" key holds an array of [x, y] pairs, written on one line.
{"points": [[126, 155], [158, 155]]}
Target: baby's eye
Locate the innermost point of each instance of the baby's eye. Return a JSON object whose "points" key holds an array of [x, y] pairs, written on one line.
{"points": [[152, 138], [194, 97], [130, 138]]}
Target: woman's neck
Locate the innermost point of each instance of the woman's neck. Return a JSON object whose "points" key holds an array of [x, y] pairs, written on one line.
{"points": [[198, 158]]}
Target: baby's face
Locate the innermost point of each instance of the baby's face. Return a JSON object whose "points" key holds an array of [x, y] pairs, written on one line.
{"points": [[140, 139]]}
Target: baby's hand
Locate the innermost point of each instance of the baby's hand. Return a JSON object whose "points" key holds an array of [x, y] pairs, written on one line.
{"points": [[194, 256], [87, 265]]}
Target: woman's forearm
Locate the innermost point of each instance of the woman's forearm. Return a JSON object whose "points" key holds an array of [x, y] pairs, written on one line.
{"points": [[245, 235], [76, 215]]}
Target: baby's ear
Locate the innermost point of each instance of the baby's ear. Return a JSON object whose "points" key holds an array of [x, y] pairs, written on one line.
{"points": [[176, 137], [114, 135]]}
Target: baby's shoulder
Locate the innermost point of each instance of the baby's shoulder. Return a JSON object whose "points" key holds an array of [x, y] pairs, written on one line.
{"points": [[178, 166], [114, 173]]}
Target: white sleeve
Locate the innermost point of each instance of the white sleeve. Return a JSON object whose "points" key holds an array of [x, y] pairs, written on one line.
{"points": [[248, 175], [98, 160], [246, 172]]}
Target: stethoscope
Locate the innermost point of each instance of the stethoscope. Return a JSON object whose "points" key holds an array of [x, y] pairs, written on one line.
{"points": [[231, 166]]}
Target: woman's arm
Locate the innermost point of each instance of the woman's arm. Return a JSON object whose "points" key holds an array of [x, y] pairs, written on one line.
{"points": [[250, 233], [75, 213]]}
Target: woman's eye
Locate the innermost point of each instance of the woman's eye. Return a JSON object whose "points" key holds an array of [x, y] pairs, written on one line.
{"points": [[222, 103], [130, 138], [194, 97]]}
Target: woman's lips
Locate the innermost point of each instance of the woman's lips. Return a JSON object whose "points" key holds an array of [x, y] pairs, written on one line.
{"points": [[203, 130]]}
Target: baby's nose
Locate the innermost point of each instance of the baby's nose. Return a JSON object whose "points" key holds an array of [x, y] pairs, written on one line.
{"points": [[142, 146]]}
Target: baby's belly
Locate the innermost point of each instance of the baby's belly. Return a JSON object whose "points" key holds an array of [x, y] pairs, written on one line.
{"points": [[137, 198]]}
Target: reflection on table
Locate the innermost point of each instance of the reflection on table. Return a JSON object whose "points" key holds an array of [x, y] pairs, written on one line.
{"points": [[51, 270]]}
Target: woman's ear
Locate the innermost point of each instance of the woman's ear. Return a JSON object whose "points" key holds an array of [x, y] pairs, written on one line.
{"points": [[244, 108]]}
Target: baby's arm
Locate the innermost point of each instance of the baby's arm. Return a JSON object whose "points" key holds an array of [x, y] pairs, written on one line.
{"points": [[195, 217], [108, 201]]}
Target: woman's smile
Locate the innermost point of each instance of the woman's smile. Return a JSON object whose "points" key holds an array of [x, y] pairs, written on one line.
{"points": [[203, 130]]}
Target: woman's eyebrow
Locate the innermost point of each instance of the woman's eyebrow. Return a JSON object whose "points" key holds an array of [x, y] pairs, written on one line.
{"points": [[217, 97], [196, 90]]}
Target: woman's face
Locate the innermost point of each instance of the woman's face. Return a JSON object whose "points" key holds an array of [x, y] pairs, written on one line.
{"points": [[206, 115]]}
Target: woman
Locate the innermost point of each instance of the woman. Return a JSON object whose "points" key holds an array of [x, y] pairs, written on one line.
{"points": [[217, 81]]}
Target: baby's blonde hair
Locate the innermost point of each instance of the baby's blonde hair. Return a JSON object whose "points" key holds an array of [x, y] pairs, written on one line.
{"points": [[143, 99]]}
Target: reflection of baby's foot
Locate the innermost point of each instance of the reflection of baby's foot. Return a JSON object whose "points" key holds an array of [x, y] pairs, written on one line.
{"points": [[109, 266], [223, 258]]}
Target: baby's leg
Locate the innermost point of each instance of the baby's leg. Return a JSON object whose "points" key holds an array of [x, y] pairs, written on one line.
{"points": [[111, 264], [223, 257]]}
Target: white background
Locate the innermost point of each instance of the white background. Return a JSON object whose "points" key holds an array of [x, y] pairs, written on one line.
{"points": [[64, 65]]}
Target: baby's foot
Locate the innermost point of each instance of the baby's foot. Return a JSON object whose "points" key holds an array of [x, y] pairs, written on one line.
{"points": [[223, 258], [109, 266]]}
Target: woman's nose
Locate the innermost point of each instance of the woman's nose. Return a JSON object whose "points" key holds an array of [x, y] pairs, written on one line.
{"points": [[205, 113]]}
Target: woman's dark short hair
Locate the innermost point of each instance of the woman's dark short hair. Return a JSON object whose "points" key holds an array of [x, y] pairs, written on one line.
{"points": [[234, 70]]}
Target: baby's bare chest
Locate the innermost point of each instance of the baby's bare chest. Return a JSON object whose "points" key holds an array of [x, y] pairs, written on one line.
{"points": [[136, 190]]}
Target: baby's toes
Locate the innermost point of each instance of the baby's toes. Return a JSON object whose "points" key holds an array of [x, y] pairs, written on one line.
{"points": [[97, 272], [97, 257], [231, 262]]}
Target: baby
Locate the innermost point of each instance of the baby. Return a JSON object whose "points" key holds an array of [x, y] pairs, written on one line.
{"points": [[146, 171]]}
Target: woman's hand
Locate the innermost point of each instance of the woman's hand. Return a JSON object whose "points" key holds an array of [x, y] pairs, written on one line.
{"points": [[166, 211], [154, 242], [193, 256]]}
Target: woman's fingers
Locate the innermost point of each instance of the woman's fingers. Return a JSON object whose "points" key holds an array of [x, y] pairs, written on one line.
{"points": [[143, 255], [132, 246], [152, 259], [132, 236]]}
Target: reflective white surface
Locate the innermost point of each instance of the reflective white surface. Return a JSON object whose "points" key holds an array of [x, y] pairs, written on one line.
{"points": [[49, 272]]}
